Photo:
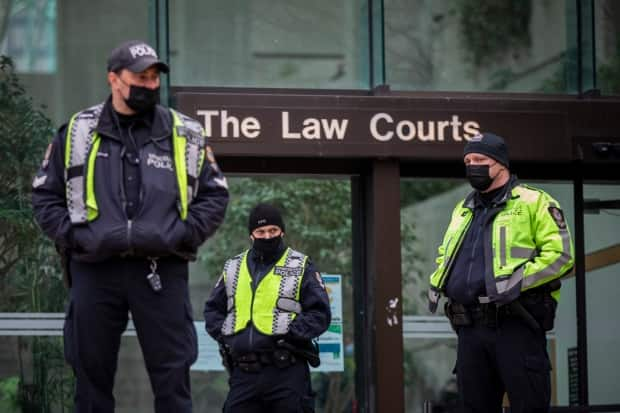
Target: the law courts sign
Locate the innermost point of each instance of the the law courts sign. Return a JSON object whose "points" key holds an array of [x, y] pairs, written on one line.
{"points": [[246, 122]]}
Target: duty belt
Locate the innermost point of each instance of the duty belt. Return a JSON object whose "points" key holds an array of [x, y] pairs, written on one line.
{"points": [[254, 362], [488, 314]]}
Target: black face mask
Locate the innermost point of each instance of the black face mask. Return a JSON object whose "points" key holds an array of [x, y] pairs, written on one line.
{"points": [[142, 98], [478, 176], [267, 247]]}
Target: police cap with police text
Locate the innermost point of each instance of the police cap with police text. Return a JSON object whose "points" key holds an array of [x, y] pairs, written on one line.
{"points": [[135, 56]]}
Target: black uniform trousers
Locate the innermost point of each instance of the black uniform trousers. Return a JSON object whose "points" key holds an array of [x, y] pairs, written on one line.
{"points": [[508, 358], [101, 296], [271, 390]]}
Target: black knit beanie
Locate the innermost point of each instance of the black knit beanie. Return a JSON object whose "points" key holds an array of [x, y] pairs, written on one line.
{"points": [[265, 214], [490, 145]]}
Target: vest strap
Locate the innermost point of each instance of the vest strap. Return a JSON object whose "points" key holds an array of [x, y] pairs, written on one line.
{"points": [[194, 151]]}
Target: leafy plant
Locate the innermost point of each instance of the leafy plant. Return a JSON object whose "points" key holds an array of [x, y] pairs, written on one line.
{"points": [[9, 395], [30, 278]]}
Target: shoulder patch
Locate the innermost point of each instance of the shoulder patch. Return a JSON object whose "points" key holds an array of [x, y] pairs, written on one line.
{"points": [[558, 216], [211, 158]]}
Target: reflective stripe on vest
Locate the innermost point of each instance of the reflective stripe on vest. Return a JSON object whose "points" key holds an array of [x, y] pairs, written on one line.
{"points": [[82, 144], [189, 154], [274, 304]]}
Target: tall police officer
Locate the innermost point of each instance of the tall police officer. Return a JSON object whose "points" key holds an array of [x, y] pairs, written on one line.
{"points": [[265, 310], [128, 191], [499, 264]]}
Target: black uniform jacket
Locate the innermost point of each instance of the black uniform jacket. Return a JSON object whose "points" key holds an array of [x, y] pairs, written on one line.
{"points": [[156, 228], [309, 324]]}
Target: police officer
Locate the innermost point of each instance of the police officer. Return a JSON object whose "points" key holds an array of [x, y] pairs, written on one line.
{"points": [[128, 191], [268, 305], [499, 264]]}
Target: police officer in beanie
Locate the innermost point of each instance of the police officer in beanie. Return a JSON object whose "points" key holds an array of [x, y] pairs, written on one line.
{"points": [[266, 309], [128, 191], [499, 265]]}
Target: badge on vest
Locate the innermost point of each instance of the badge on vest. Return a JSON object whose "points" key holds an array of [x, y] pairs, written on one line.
{"points": [[159, 161], [287, 271]]}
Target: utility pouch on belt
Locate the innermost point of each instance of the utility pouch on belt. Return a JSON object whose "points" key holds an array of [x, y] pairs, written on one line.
{"points": [[457, 314], [250, 363], [306, 350], [227, 361], [282, 358]]}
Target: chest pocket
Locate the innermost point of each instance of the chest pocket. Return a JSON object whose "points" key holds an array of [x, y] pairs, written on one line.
{"points": [[157, 169]]}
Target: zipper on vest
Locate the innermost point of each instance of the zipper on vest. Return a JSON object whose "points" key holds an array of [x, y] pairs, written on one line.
{"points": [[473, 250], [251, 322], [451, 259], [124, 200]]}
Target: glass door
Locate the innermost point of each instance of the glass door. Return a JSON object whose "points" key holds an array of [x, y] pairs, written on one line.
{"points": [[602, 278]]}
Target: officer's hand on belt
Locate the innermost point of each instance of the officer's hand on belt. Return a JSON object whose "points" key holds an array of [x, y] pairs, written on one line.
{"points": [[305, 349]]}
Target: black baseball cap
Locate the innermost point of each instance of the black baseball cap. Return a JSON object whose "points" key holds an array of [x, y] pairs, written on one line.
{"points": [[135, 56]]}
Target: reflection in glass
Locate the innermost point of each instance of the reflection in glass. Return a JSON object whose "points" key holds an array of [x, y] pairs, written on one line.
{"points": [[602, 245], [428, 341], [269, 43], [477, 45], [28, 34], [607, 26], [63, 66]]}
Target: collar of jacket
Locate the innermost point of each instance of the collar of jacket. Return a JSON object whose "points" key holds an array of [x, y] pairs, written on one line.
{"points": [[160, 129], [470, 200]]}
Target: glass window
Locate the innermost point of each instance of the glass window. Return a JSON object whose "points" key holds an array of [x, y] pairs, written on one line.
{"points": [[563, 338], [60, 48], [607, 26], [29, 29], [429, 343], [602, 247], [478, 45], [266, 43]]}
